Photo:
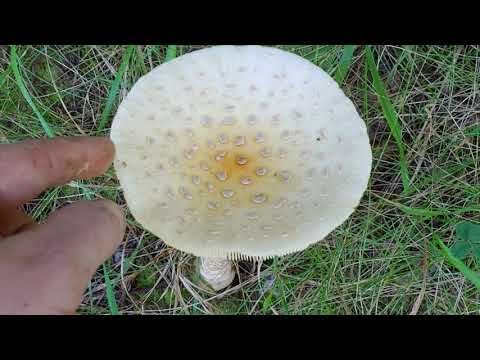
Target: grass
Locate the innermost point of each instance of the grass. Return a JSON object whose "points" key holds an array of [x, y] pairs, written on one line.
{"points": [[422, 108], [390, 115], [469, 274], [26, 95], [344, 63], [113, 93]]}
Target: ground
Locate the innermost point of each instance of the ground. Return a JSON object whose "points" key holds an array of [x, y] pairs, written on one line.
{"points": [[421, 105]]}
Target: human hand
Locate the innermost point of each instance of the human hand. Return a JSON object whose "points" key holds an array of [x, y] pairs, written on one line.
{"points": [[45, 268]]}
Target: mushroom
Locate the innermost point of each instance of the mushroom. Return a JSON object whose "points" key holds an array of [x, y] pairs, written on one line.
{"points": [[240, 152]]}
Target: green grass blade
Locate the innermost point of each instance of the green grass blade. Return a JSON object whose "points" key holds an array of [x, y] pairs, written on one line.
{"points": [[474, 132], [345, 62], [390, 116], [112, 303], [141, 59], [319, 51], [171, 53], [128, 262], [25, 93], [114, 89], [457, 263], [426, 213], [4, 75], [464, 210]]}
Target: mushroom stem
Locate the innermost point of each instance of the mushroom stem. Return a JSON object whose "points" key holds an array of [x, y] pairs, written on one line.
{"points": [[218, 273]]}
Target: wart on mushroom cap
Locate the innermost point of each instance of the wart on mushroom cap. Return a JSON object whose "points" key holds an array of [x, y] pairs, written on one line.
{"points": [[240, 152]]}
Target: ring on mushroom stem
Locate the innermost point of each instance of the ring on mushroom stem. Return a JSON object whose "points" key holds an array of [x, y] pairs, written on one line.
{"points": [[272, 159]]}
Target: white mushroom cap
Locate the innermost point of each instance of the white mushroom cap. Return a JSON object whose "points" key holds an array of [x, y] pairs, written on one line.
{"points": [[240, 152]]}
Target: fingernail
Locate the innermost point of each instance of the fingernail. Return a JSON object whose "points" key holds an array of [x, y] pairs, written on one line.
{"points": [[100, 156], [104, 143]]}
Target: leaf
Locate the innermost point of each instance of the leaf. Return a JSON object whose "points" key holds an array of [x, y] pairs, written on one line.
{"points": [[476, 252], [468, 231], [460, 249], [390, 116], [456, 262], [467, 240]]}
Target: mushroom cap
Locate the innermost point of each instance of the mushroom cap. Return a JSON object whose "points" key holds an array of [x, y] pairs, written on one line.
{"points": [[240, 152]]}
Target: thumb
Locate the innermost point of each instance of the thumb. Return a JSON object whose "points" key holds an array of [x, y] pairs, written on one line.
{"points": [[46, 268]]}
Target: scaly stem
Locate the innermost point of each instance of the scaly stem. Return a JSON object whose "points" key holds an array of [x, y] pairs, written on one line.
{"points": [[216, 272]]}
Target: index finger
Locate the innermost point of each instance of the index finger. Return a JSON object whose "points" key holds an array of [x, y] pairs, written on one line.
{"points": [[29, 168]]}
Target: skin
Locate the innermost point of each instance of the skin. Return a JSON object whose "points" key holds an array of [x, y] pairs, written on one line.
{"points": [[45, 268]]}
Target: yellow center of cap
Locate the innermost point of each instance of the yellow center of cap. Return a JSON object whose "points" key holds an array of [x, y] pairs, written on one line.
{"points": [[232, 167]]}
